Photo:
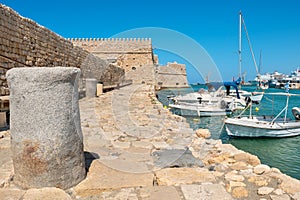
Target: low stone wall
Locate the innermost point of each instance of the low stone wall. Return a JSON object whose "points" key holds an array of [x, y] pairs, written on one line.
{"points": [[24, 43]]}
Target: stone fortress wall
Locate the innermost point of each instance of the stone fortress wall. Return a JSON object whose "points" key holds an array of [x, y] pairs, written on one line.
{"points": [[135, 54], [127, 53], [24, 43], [172, 75]]}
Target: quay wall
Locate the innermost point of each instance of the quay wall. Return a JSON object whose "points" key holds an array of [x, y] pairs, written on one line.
{"points": [[24, 43]]}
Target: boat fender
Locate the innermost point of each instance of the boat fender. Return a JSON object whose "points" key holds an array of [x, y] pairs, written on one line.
{"points": [[296, 112]]}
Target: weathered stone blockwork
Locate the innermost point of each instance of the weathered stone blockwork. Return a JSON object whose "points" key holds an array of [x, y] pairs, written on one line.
{"points": [[127, 53], [24, 43], [171, 75]]}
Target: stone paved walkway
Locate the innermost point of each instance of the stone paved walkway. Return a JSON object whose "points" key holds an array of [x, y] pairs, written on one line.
{"points": [[133, 129], [135, 149]]}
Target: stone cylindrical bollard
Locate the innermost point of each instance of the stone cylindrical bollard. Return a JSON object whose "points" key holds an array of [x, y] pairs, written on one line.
{"points": [[99, 89], [90, 87], [46, 137]]}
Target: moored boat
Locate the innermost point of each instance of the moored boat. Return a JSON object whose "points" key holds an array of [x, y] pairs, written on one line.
{"points": [[265, 126], [200, 110], [217, 103]]}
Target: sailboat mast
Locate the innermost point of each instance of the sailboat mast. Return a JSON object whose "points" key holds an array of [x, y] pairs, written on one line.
{"points": [[240, 44], [259, 66], [250, 46]]}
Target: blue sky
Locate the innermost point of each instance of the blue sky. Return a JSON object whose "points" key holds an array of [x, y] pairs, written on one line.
{"points": [[274, 27]]}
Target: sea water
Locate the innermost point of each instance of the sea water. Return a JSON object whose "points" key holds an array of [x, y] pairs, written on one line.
{"points": [[282, 153]]}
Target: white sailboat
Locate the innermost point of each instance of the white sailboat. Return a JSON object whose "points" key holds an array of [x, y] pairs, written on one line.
{"points": [[265, 126], [221, 102], [253, 96], [260, 83]]}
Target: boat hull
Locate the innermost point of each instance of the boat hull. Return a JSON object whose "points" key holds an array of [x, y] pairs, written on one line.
{"points": [[261, 128], [198, 111]]}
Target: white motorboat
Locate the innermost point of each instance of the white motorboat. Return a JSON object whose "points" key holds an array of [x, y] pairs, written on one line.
{"points": [[255, 97], [265, 126], [202, 96], [200, 110], [217, 103], [204, 103]]}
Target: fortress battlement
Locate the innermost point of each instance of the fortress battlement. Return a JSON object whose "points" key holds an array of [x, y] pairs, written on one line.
{"points": [[148, 40], [114, 45]]}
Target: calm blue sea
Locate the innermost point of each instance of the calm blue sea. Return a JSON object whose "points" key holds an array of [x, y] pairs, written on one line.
{"points": [[282, 153]]}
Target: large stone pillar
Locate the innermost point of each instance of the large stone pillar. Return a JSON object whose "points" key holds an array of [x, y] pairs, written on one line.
{"points": [[46, 137]]}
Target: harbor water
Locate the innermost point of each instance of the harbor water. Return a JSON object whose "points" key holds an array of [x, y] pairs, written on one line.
{"points": [[282, 153]]}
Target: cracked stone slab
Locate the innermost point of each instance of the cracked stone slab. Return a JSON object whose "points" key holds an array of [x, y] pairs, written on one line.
{"points": [[169, 158], [178, 176], [102, 178], [205, 191]]}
